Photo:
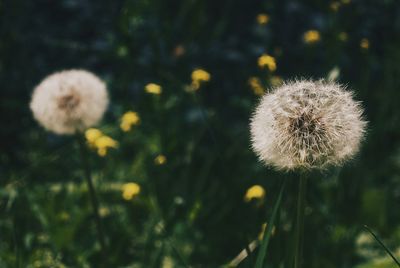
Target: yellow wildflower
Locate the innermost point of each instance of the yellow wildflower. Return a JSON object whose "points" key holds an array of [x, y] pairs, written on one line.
{"points": [[254, 192], [256, 86], [346, 2], [198, 76], [343, 36], [268, 61], [311, 37], [262, 19], [276, 81], [103, 143], [128, 120], [153, 88], [160, 159], [92, 134], [104, 212], [335, 6], [130, 190], [364, 44]]}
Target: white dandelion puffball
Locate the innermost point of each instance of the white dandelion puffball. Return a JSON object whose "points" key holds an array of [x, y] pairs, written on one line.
{"points": [[70, 101], [307, 125]]}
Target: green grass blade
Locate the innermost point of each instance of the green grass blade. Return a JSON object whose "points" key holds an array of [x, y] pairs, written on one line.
{"points": [[263, 249], [382, 245]]}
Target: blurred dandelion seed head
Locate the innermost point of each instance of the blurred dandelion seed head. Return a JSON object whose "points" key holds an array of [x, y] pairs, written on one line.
{"points": [[69, 101], [307, 125]]}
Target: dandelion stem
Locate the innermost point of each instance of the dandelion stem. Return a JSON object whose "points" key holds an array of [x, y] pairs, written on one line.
{"points": [[299, 232], [92, 194], [382, 245]]}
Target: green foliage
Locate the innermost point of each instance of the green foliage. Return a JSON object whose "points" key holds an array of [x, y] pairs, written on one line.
{"points": [[191, 210]]}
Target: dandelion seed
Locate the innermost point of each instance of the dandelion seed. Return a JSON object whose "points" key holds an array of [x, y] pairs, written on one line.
{"points": [[68, 102], [128, 120], [307, 125], [254, 192], [262, 19], [311, 37], [268, 61], [130, 190], [153, 88]]}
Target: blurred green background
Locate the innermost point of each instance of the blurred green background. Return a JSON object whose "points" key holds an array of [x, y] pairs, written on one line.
{"points": [[191, 208]]}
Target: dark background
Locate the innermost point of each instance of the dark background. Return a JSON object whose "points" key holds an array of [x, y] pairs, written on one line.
{"points": [[193, 204]]}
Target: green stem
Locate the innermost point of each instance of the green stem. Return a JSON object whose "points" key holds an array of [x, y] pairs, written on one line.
{"points": [[382, 245], [92, 195], [299, 233]]}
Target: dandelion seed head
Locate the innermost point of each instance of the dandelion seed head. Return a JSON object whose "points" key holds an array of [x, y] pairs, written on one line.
{"points": [[307, 125], [70, 101]]}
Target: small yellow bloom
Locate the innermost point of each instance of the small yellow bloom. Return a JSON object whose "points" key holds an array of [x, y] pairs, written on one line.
{"points": [[92, 134], [104, 212], [160, 159], [268, 61], [152, 88], [311, 37], [254, 192], [256, 86], [103, 143], [335, 6], [346, 2], [262, 19], [128, 120], [199, 76], [130, 190], [364, 44], [343, 36]]}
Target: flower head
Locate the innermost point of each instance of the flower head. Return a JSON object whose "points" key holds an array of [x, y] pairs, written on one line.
{"points": [[254, 192], [152, 88], [97, 140], [199, 76], [311, 37], [262, 19], [128, 120], [130, 190], [268, 61], [160, 159], [364, 44], [307, 125], [69, 101]]}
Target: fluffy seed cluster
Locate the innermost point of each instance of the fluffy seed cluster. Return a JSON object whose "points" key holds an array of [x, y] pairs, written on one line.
{"points": [[69, 101], [307, 125]]}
